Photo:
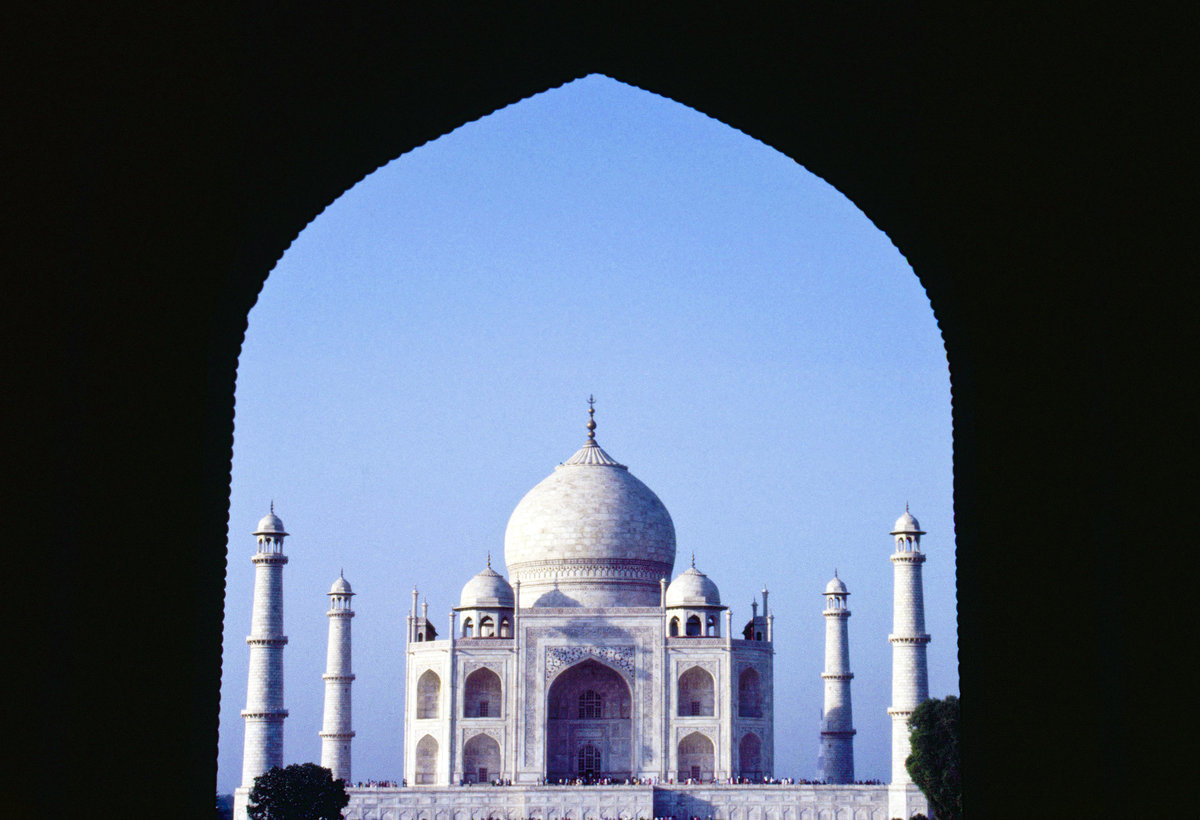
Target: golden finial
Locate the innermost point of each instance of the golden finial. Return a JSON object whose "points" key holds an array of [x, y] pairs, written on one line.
{"points": [[591, 425], [489, 559]]}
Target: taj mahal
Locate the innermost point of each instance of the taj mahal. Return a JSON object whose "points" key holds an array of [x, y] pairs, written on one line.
{"points": [[593, 682]]}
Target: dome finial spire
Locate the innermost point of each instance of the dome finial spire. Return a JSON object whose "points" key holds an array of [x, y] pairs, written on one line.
{"points": [[489, 559], [272, 506], [906, 506], [693, 559], [591, 425]]}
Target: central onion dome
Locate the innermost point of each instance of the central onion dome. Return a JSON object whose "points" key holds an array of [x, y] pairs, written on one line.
{"points": [[590, 534]]}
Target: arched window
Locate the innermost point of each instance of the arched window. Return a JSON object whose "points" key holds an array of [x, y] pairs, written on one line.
{"points": [[468, 628], [505, 628], [750, 757], [590, 706], [482, 694], [693, 626], [429, 689], [696, 693], [711, 627], [487, 627], [589, 761], [674, 629], [481, 759], [427, 755], [749, 694], [696, 757]]}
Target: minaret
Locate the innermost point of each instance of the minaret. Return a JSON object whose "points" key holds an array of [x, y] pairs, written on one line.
{"points": [[910, 676], [264, 712], [335, 728], [837, 723]]}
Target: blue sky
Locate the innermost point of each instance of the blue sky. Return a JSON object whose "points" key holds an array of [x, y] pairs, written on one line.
{"points": [[761, 355]]}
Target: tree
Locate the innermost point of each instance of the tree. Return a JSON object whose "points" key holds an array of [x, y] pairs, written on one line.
{"points": [[934, 762], [302, 791]]}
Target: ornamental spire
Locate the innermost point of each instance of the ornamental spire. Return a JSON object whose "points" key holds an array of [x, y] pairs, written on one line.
{"points": [[591, 425]]}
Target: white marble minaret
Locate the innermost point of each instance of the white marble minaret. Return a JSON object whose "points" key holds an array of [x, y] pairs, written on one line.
{"points": [[336, 733], [264, 712], [837, 724], [910, 676]]}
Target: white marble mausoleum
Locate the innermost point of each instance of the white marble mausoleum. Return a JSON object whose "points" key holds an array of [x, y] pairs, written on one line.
{"points": [[589, 684]]}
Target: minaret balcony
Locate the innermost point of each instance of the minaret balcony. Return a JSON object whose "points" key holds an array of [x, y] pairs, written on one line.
{"points": [[265, 713], [261, 640], [908, 640]]}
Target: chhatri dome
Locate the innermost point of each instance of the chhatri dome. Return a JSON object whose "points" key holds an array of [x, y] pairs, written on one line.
{"points": [[487, 589], [693, 588], [590, 534], [836, 586]]}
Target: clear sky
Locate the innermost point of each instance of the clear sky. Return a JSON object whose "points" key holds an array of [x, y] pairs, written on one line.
{"points": [[761, 356]]}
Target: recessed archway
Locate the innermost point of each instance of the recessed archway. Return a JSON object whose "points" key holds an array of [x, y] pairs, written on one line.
{"points": [[589, 724]]}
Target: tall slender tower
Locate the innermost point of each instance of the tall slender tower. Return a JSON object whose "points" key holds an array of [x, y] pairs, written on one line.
{"points": [[264, 712], [336, 733], [910, 676], [837, 723]]}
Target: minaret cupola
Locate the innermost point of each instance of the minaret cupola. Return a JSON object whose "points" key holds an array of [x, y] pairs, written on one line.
{"points": [[907, 532], [270, 533]]}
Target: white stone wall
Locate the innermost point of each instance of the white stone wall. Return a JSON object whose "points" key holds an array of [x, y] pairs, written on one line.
{"points": [[905, 800], [425, 656], [723, 802], [756, 655], [712, 656], [631, 642], [469, 657]]}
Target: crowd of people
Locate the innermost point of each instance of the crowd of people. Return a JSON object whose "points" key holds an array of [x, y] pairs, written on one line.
{"points": [[636, 781]]}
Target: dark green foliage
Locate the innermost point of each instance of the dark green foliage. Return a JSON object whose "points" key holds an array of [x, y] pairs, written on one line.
{"points": [[302, 791], [934, 762]]}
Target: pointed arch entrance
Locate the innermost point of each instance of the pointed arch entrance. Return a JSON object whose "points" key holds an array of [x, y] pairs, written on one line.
{"points": [[589, 725]]}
